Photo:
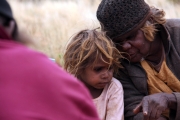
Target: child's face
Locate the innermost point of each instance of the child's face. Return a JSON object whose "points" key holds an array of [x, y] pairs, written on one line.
{"points": [[97, 77]]}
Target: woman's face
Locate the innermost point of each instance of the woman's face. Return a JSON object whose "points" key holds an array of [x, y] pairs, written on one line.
{"points": [[135, 45]]}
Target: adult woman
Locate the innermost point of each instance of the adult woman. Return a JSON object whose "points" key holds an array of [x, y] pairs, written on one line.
{"points": [[151, 46]]}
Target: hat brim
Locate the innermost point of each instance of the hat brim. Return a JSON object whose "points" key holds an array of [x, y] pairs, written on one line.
{"points": [[125, 35]]}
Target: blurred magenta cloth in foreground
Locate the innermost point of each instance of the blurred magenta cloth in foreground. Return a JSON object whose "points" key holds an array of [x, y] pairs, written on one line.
{"points": [[32, 87]]}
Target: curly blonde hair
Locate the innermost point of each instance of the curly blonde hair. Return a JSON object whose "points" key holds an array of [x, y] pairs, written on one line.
{"points": [[86, 48], [151, 26]]}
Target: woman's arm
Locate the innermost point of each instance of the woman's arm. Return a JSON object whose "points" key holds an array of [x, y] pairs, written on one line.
{"points": [[133, 80]]}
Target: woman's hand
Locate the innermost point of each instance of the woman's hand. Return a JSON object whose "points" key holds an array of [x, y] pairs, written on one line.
{"points": [[153, 105], [162, 118]]}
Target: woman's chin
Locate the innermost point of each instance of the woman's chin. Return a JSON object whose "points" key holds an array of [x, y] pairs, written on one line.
{"points": [[136, 60]]}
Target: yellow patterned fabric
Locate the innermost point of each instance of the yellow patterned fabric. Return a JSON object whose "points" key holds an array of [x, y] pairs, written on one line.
{"points": [[162, 81]]}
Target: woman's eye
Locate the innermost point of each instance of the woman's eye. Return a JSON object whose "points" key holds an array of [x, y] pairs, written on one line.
{"points": [[120, 43], [132, 36], [129, 38]]}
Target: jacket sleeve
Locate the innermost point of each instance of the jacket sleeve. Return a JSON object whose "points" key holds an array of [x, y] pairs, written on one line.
{"points": [[133, 93], [175, 115]]}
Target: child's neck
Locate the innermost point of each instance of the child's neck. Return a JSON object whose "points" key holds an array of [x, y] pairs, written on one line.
{"points": [[94, 92]]}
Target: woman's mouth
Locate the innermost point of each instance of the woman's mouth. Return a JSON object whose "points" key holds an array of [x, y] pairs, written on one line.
{"points": [[132, 55]]}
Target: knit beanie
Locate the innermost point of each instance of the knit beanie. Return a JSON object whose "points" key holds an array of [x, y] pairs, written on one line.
{"points": [[119, 17], [5, 9]]}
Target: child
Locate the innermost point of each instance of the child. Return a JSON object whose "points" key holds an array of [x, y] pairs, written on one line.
{"points": [[93, 58]]}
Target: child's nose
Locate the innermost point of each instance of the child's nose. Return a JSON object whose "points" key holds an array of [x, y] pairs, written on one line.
{"points": [[106, 74]]}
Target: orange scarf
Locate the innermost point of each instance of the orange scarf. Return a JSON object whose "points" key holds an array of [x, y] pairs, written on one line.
{"points": [[162, 81]]}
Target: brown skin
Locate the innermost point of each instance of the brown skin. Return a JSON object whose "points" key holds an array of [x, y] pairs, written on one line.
{"points": [[138, 47], [21, 36], [8, 28], [153, 105], [97, 77]]}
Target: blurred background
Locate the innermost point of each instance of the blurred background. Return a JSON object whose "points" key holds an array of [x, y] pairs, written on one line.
{"points": [[51, 23]]}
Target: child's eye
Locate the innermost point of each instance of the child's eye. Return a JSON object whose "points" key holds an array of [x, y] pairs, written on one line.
{"points": [[110, 68], [97, 69]]}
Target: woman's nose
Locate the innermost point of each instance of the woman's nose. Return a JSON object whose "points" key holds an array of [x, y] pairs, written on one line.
{"points": [[126, 46]]}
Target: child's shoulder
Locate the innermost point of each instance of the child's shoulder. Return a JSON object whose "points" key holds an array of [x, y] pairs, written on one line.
{"points": [[115, 84]]}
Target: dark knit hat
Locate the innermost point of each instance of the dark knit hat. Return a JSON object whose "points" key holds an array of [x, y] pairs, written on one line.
{"points": [[119, 17], [5, 9]]}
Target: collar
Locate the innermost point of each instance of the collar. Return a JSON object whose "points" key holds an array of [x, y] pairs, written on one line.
{"points": [[165, 38]]}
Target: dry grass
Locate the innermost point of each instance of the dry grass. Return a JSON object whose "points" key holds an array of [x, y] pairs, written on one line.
{"points": [[169, 6], [52, 23]]}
